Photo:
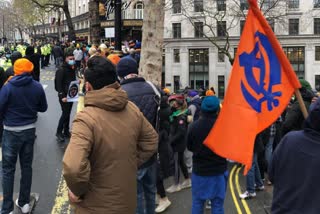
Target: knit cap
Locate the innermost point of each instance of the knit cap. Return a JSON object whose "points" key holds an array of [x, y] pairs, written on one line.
{"points": [[127, 65], [210, 104], [22, 66], [305, 84]]}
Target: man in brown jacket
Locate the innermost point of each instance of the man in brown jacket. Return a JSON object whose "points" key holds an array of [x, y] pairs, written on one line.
{"points": [[110, 139]]}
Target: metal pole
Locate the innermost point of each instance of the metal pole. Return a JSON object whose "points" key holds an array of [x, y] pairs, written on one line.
{"points": [[118, 25], [3, 30]]}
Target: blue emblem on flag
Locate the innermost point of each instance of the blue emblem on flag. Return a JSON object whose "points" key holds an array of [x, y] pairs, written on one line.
{"points": [[255, 62]]}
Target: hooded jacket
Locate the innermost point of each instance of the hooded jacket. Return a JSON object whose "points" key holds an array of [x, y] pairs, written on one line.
{"points": [[20, 101], [294, 169], [64, 76], [194, 107], [294, 118], [110, 139]]}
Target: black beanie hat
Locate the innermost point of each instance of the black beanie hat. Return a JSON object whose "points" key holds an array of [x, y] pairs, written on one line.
{"points": [[127, 65]]}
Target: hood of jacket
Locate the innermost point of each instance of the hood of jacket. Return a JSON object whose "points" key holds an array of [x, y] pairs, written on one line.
{"points": [[313, 120], [109, 98], [21, 80], [307, 94]]}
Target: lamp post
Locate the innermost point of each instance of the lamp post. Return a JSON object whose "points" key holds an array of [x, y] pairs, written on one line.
{"points": [[118, 25]]}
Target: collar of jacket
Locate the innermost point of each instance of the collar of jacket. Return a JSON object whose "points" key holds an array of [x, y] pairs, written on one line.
{"points": [[109, 98], [135, 79]]}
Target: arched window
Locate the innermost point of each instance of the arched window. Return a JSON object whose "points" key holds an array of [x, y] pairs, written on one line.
{"points": [[138, 10]]}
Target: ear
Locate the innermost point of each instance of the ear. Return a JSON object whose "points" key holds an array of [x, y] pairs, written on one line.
{"points": [[88, 87]]}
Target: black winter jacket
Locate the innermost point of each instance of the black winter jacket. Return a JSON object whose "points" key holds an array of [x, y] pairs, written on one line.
{"points": [[178, 133], [142, 94], [64, 76], [205, 161], [35, 59], [294, 118]]}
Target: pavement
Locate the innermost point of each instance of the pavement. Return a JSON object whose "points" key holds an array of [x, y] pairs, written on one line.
{"points": [[47, 180]]}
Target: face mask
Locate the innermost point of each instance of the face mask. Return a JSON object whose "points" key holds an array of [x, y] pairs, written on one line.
{"points": [[71, 62], [8, 56], [188, 99]]}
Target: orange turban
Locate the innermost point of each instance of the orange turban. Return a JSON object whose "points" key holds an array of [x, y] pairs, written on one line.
{"points": [[209, 93], [22, 66], [114, 58]]}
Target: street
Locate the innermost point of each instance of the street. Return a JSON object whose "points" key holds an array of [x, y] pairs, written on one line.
{"points": [[47, 168]]}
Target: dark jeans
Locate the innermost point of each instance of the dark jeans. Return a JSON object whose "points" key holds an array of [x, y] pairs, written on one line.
{"points": [[65, 117], [17, 144], [180, 164], [160, 187], [146, 187], [42, 61]]}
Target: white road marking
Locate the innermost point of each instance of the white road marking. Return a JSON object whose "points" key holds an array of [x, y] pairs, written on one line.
{"points": [[44, 87], [1, 154]]}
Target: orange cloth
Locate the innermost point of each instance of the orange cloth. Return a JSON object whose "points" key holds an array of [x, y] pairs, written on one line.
{"points": [[22, 66], [114, 58], [261, 84]]}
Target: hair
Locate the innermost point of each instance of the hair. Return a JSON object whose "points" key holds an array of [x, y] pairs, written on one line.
{"points": [[100, 72]]}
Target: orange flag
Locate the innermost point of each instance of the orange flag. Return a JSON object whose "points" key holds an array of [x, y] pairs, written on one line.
{"points": [[261, 84]]}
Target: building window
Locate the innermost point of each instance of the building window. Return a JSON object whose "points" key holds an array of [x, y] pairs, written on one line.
{"points": [[317, 82], [317, 26], [138, 10], [198, 5], [220, 56], [221, 28], [271, 23], [268, 4], [199, 68], [221, 86], [198, 29], [176, 6], [124, 14], [293, 26], [176, 55], [176, 28], [316, 4], [296, 58], [244, 5], [242, 22], [317, 53], [293, 4], [221, 5], [176, 83]]}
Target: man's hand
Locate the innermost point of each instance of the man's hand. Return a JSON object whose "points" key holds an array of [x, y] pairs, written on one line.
{"points": [[64, 99], [73, 198]]}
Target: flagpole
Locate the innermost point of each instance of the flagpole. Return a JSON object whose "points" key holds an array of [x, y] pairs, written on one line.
{"points": [[301, 103]]}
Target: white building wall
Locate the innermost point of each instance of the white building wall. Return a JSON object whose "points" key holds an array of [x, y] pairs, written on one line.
{"points": [[306, 38]]}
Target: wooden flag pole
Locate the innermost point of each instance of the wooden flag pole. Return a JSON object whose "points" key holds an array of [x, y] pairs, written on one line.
{"points": [[301, 103]]}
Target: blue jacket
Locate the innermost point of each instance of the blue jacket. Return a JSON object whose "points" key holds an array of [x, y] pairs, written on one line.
{"points": [[205, 161], [20, 101], [142, 95]]}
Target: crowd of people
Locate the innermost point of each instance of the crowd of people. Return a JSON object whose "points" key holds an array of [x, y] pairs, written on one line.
{"points": [[132, 136]]}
